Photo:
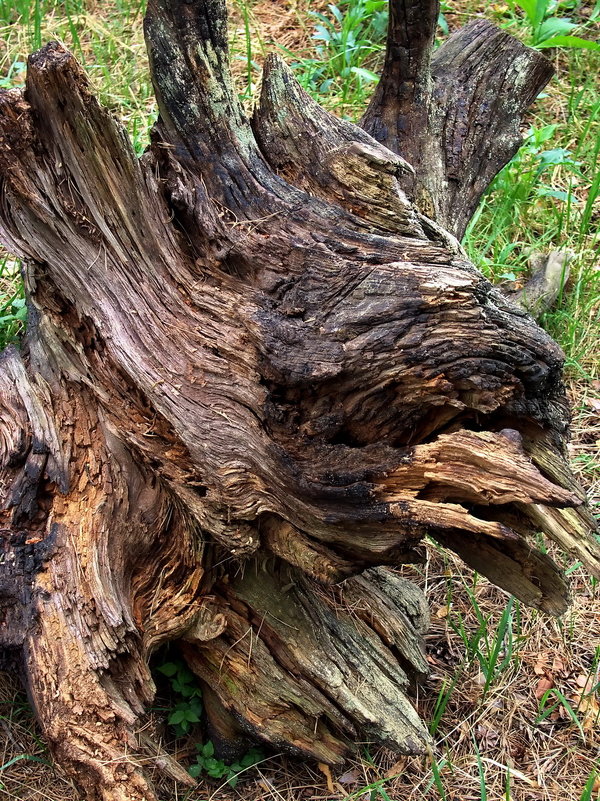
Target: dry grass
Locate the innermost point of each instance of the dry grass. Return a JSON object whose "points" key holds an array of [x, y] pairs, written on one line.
{"points": [[273, 24], [490, 744]]}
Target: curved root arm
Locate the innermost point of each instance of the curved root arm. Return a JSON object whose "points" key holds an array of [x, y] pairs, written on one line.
{"points": [[256, 373]]}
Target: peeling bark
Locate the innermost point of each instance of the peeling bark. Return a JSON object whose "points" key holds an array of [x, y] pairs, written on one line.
{"points": [[258, 372]]}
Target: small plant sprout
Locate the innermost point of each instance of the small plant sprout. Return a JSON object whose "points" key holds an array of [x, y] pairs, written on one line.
{"points": [[186, 713], [188, 710], [207, 763]]}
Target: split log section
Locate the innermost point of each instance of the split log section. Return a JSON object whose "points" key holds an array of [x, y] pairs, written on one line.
{"points": [[259, 369]]}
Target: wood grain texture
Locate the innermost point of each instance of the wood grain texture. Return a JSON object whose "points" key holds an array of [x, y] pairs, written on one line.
{"points": [[462, 122], [256, 376]]}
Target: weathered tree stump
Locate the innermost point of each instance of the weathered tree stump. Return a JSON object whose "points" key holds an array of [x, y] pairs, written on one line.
{"points": [[258, 370]]}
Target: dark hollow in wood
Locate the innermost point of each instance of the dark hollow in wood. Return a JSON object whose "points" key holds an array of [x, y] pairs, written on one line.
{"points": [[258, 371]]}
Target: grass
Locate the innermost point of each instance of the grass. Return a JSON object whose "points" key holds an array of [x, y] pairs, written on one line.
{"points": [[512, 698], [13, 311], [348, 39]]}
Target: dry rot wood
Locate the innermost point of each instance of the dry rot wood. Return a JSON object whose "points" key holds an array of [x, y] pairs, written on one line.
{"points": [[258, 371]]}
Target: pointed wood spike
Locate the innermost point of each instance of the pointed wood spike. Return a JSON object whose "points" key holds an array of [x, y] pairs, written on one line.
{"points": [[338, 666], [399, 113], [200, 112], [314, 559], [552, 460], [514, 565], [330, 157], [396, 609], [484, 82], [575, 531], [473, 468], [454, 115]]}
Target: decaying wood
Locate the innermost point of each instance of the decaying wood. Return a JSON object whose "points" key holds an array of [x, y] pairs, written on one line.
{"points": [[454, 115], [259, 370]]}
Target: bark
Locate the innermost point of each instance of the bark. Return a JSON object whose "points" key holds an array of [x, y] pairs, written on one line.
{"points": [[455, 116], [255, 377]]}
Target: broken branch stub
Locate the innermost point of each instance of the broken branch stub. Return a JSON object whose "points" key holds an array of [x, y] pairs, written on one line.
{"points": [[456, 114], [256, 375]]}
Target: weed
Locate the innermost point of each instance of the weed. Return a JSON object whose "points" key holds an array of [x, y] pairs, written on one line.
{"points": [[252, 67], [374, 791], [15, 75], [528, 179], [480, 773], [493, 649], [589, 791], [548, 30], [441, 702], [13, 311], [18, 758], [217, 769], [348, 38], [546, 709], [436, 770], [187, 712]]}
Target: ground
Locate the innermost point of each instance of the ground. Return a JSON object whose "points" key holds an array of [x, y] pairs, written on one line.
{"points": [[513, 696]]}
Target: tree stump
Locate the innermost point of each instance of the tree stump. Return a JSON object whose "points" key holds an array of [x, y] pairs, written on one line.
{"points": [[258, 371]]}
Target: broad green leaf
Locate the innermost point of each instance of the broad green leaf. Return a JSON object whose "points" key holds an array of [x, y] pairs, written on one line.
{"points": [[529, 7], [569, 41], [177, 717], [251, 758], [372, 6], [541, 10], [559, 194], [321, 33], [168, 669], [336, 12], [543, 134], [555, 26], [365, 75], [558, 155]]}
